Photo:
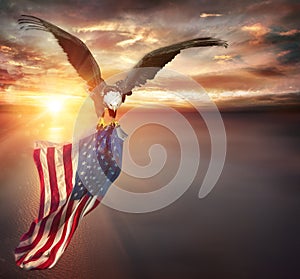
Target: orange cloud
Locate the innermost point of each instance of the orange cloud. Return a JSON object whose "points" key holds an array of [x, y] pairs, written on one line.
{"points": [[221, 59], [256, 30], [283, 53], [204, 15], [5, 49], [290, 32]]}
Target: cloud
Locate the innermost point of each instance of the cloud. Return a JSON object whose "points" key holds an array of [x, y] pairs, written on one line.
{"points": [[291, 57], [225, 58], [257, 31], [117, 36], [286, 44], [7, 79], [228, 82], [261, 102], [204, 15], [289, 32], [265, 71], [106, 40], [291, 16], [247, 78], [26, 68], [280, 35]]}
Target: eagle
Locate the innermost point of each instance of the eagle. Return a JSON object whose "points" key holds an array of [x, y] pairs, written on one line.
{"points": [[111, 96]]}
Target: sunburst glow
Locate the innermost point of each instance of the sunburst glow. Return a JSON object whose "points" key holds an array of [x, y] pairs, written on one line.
{"points": [[54, 105]]}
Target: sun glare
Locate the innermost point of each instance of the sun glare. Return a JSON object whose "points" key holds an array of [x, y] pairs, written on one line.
{"points": [[54, 105]]}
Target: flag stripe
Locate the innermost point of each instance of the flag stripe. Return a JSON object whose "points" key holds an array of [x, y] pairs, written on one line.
{"points": [[67, 151], [36, 156], [60, 175], [47, 189], [37, 159], [25, 236], [52, 178], [92, 207]]}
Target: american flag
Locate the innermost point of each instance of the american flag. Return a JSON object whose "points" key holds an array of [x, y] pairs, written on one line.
{"points": [[67, 196]]}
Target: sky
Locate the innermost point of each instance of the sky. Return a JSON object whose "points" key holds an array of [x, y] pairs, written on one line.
{"points": [[260, 65]]}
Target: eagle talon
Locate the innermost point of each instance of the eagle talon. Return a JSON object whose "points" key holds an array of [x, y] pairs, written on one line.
{"points": [[115, 123], [101, 123]]}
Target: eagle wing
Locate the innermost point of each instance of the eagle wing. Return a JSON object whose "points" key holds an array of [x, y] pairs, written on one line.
{"points": [[154, 61], [77, 52]]}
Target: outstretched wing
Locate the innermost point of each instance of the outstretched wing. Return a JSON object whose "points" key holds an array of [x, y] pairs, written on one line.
{"points": [[77, 52], [154, 61]]}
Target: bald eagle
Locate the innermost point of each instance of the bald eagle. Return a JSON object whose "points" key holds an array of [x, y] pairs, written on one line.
{"points": [[106, 96]]}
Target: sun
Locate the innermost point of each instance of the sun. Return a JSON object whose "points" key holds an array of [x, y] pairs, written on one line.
{"points": [[54, 105]]}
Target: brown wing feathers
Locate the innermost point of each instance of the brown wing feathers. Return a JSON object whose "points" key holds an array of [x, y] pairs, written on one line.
{"points": [[77, 52]]}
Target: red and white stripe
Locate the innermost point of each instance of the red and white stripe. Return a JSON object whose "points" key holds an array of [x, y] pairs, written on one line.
{"points": [[59, 216]]}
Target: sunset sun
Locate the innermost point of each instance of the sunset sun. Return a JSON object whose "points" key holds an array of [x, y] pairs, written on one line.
{"points": [[54, 105]]}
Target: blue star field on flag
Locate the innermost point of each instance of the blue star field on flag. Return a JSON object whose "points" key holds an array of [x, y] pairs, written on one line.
{"points": [[99, 162]]}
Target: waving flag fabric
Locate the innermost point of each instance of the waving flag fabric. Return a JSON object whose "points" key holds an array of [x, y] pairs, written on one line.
{"points": [[66, 195]]}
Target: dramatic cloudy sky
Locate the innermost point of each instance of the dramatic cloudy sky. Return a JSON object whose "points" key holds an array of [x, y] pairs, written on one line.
{"points": [[262, 60]]}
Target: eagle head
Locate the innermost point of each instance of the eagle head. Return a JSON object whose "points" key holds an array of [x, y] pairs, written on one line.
{"points": [[112, 97]]}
